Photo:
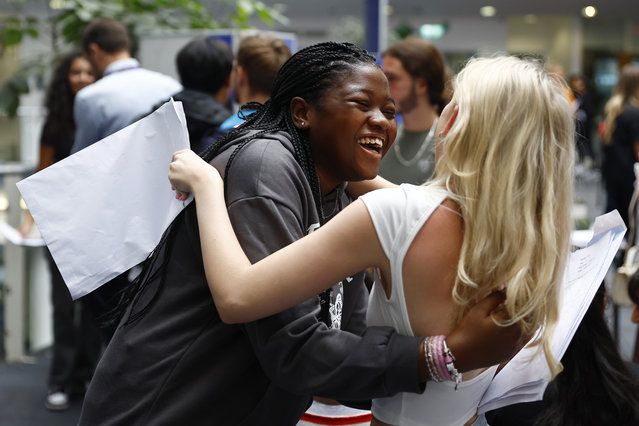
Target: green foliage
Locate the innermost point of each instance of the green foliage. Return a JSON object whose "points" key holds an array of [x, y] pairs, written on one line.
{"points": [[157, 15], [10, 93], [14, 28], [139, 16], [18, 84], [403, 30]]}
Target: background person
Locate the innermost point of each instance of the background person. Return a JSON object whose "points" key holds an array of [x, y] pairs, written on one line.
{"points": [[125, 90], [172, 360], [621, 142], [584, 115], [124, 93], [204, 66], [76, 344], [417, 77], [259, 57]]}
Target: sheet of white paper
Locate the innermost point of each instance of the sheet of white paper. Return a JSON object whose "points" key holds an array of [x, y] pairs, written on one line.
{"points": [[581, 238], [15, 237], [102, 210], [526, 376]]}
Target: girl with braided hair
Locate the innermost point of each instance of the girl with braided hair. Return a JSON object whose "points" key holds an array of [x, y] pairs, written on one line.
{"points": [[172, 359], [504, 142]]}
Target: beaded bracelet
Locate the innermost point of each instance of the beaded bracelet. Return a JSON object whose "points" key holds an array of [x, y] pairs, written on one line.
{"points": [[440, 360], [441, 363], [449, 359], [430, 362]]}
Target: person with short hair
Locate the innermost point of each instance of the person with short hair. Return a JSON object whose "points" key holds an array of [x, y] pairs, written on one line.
{"points": [[417, 78], [204, 65], [125, 90], [259, 57]]}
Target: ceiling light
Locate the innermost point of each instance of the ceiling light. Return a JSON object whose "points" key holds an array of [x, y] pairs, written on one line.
{"points": [[488, 11], [432, 31], [589, 11]]}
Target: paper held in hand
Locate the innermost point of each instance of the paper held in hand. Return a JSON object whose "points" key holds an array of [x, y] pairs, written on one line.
{"points": [[525, 377], [102, 210]]}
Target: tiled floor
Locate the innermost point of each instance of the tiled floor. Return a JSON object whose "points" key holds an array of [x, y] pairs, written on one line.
{"points": [[22, 393]]}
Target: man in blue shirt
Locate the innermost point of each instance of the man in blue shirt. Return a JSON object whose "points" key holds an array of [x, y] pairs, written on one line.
{"points": [[125, 92]]}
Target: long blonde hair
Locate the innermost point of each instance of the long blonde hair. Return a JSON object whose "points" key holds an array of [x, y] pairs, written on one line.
{"points": [[626, 91], [508, 161]]}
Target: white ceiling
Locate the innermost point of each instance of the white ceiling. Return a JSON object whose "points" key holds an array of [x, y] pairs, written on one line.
{"points": [[607, 8]]}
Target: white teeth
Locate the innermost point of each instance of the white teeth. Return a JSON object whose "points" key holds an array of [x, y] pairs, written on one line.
{"points": [[371, 141]]}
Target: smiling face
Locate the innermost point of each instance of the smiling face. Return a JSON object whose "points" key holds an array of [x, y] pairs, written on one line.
{"points": [[80, 74], [352, 126]]}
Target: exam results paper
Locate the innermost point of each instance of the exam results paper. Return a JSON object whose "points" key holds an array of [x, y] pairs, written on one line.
{"points": [[102, 210]]}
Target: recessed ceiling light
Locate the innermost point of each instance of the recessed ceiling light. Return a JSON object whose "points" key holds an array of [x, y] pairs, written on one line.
{"points": [[589, 11], [488, 11]]}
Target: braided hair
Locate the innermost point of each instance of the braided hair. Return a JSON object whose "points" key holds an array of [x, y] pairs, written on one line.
{"points": [[308, 74]]}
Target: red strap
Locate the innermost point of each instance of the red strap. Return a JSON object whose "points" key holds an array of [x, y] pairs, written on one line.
{"points": [[351, 420]]}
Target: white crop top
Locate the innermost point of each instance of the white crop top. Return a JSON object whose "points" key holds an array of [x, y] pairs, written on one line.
{"points": [[398, 214]]}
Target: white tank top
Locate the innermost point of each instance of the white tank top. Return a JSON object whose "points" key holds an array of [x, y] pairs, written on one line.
{"points": [[398, 214]]}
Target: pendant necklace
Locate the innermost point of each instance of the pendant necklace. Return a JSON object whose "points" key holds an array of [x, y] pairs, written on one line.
{"points": [[407, 163]]}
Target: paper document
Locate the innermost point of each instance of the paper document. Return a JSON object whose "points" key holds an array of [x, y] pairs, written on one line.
{"points": [[15, 237], [103, 209], [526, 376]]}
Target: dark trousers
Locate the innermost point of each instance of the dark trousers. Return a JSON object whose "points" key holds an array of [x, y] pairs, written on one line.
{"points": [[76, 340]]}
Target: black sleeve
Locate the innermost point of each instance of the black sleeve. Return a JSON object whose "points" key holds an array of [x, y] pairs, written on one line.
{"points": [[296, 350]]}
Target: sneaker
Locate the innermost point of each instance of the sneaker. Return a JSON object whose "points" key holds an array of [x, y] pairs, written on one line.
{"points": [[57, 400]]}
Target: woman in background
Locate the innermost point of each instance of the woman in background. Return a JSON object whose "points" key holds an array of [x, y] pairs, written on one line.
{"points": [[76, 344], [621, 142]]}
